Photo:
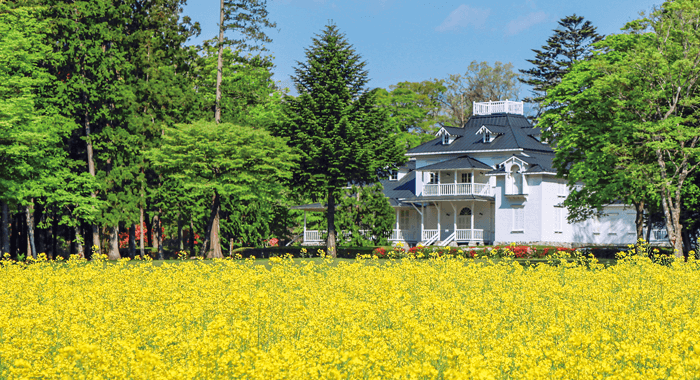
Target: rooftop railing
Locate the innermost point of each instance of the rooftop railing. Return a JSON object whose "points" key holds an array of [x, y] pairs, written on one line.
{"points": [[505, 106]]}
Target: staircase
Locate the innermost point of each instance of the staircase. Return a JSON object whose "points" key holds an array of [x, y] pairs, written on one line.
{"points": [[449, 239], [431, 240]]}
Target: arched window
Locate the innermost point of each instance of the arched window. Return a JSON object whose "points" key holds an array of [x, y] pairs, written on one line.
{"points": [[464, 220], [517, 178]]}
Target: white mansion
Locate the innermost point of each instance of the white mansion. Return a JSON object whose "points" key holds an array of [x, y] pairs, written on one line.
{"points": [[491, 182]]}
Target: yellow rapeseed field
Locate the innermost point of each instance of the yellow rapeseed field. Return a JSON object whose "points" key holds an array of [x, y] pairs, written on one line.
{"points": [[439, 318]]}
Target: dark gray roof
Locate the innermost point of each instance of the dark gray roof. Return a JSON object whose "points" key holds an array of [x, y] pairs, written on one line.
{"points": [[539, 162], [455, 131], [402, 188], [516, 135], [462, 162]]}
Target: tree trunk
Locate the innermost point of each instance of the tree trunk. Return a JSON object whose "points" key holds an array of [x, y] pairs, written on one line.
{"points": [[159, 236], [215, 251], [15, 236], [54, 241], [132, 241], [685, 235], [114, 244], [230, 247], [154, 232], [5, 229], [191, 237], [29, 212], [91, 170], [639, 219], [219, 65], [141, 233], [330, 242], [149, 230], [180, 241], [79, 247]]}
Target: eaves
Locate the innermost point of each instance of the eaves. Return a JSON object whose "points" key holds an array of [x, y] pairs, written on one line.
{"points": [[463, 152]]}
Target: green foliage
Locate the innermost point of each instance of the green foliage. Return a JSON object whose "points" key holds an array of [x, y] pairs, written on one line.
{"points": [[335, 124], [480, 83], [244, 166], [414, 110], [645, 88], [235, 161], [248, 93], [594, 133], [572, 41], [340, 133], [365, 216]]}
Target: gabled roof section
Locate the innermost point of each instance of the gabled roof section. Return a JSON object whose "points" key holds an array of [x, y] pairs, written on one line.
{"points": [[462, 162], [452, 131], [494, 129], [517, 135]]}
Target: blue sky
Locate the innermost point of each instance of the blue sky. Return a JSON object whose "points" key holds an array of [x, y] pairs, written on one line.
{"points": [[419, 40]]}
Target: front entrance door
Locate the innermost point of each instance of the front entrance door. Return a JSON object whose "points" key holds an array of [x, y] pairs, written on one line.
{"points": [[464, 219]]}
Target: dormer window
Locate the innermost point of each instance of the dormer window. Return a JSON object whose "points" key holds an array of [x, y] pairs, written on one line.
{"points": [[487, 135], [445, 139], [394, 176]]}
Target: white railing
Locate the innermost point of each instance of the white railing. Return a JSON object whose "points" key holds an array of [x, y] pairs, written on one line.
{"points": [[313, 235], [470, 235], [403, 235], [457, 189], [429, 234], [507, 106], [659, 235]]}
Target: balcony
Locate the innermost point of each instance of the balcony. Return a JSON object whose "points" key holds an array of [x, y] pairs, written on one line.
{"points": [[457, 189]]}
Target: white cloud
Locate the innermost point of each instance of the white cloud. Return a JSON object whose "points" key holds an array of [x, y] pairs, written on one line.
{"points": [[525, 22], [463, 16]]}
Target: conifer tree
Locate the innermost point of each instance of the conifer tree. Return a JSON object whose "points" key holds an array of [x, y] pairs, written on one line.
{"points": [[247, 19], [571, 42], [336, 125]]}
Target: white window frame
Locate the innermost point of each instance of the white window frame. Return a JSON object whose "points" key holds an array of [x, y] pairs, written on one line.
{"points": [[518, 218], [558, 219], [468, 177], [433, 178], [561, 190], [487, 136], [394, 176]]}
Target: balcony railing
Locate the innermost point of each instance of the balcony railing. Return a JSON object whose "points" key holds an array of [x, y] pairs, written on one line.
{"points": [[457, 189], [470, 235], [396, 235], [507, 106]]}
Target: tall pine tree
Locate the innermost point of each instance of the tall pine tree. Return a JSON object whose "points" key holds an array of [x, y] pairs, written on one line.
{"points": [[336, 125], [570, 42]]}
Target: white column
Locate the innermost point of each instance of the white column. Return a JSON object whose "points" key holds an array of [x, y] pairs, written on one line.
{"points": [[422, 225], [397, 220], [454, 218], [304, 226], [473, 189], [473, 212], [439, 211]]}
